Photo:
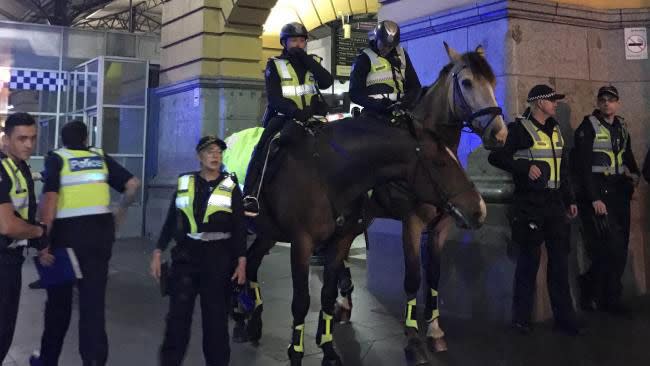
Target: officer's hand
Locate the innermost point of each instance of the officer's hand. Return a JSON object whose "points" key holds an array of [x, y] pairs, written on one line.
{"points": [[301, 115], [119, 215], [239, 276], [297, 52], [534, 172], [634, 177], [154, 267], [572, 212], [599, 207], [45, 257]]}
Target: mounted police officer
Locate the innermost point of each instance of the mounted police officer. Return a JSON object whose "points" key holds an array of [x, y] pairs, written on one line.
{"points": [[206, 220], [292, 83], [607, 173], [76, 206], [18, 228], [383, 78], [543, 200]]}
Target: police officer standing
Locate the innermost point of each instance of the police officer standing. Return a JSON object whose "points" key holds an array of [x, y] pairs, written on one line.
{"points": [[383, 76], [76, 207], [17, 224], [542, 202], [607, 173], [206, 220], [292, 83]]}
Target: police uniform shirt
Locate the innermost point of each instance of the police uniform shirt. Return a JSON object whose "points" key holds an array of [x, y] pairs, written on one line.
{"points": [[274, 84], [584, 140], [233, 223], [68, 231], [5, 187], [519, 139], [358, 87]]}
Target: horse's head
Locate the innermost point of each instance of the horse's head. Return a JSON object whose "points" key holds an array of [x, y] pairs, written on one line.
{"points": [[463, 96], [439, 179]]}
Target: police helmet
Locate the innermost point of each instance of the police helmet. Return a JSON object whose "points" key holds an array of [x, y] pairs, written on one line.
{"points": [[294, 29], [388, 33]]}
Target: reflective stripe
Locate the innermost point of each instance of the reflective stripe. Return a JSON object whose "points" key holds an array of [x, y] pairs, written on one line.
{"points": [[20, 202], [182, 202], [18, 243], [82, 211], [292, 88], [391, 96], [284, 71], [90, 178], [209, 236], [220, 201], [545, 149], [298, 90], [18, 190], [183, 183], [381, 71], [604, 159]]}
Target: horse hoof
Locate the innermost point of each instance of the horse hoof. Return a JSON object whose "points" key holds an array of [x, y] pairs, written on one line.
{"points": [[239, 333], [416, 353], [342, 314], [437, 344], [295, 358]]}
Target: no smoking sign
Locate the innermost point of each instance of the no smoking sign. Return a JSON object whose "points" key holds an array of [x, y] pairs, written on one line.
{"points": [[636, 44]]}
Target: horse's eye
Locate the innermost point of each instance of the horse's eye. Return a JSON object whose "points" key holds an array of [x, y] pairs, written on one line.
{"points": [[467, 83]]}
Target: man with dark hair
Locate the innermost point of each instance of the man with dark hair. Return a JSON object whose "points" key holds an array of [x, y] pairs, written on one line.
{"points": [[17, 219], [76, 207], [607, 173]]}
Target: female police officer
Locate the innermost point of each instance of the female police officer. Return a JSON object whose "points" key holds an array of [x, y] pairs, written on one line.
{"points": [[206, 220]]}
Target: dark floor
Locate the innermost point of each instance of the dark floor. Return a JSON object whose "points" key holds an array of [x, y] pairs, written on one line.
{"points": [[135, 314]]}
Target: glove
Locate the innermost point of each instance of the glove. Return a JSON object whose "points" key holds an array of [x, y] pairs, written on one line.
{"points": [[301, 115], [385, 104], [298, 54]]}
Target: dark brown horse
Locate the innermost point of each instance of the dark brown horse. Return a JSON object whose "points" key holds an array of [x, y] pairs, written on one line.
{"points": [[315, 192]]}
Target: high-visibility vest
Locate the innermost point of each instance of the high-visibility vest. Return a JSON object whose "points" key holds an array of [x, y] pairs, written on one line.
{"points": [[300, 94], [84, 183], [220, 201], [604, 159], [19, 194], [381, 73], [545, 149]]}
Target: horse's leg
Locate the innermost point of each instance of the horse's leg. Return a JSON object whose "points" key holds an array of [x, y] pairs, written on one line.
{"points": [[254, 256], [411, 233], [301, 250], [343, 307], [435, 241], [336, 253]]}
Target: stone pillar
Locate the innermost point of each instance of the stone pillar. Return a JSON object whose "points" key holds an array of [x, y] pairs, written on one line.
{"points": [[583, 49], [211, 83]]}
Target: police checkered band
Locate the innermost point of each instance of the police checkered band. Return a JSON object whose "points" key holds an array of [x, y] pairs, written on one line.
{"points": [[36, 80], [544, 96]]}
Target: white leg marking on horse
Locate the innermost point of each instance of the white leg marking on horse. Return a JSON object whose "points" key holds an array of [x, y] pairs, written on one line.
{"points": [[434, 331], [483, 210], [452, 155]]}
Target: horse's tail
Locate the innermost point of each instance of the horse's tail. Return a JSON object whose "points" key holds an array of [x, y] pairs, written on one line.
{"points": [[240, 148]]}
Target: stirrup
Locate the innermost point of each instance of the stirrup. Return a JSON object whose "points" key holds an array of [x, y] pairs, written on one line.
{"points": [[251, 200]]}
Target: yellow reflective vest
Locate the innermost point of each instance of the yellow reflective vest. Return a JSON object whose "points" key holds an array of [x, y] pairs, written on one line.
{"points": [[19, 194], [301, 94], [382, 73], [545, 150], [604, 160], [84, 183], [220, 201]]}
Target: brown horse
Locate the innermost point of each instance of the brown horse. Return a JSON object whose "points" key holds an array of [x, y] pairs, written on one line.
{"points": [[313, 197]]}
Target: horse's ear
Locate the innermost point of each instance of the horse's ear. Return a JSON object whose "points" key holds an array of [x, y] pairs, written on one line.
{"points": [[452, 53], [480, 50]]}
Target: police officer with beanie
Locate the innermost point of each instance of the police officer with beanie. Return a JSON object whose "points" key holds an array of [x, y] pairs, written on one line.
{"points": [[76, 206], [206, 220], [543, 202], [292, 83], [607, 173], [383, 77], [18, 229]]}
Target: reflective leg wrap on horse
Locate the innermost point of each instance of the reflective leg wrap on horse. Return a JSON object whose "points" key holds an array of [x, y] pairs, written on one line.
{"points": [[415, 349], [411, 313], [324, 339], [297, 347], [254, 327]]}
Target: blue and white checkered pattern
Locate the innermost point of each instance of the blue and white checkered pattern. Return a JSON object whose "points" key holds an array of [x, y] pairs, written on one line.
{"points": [[36, 80]]}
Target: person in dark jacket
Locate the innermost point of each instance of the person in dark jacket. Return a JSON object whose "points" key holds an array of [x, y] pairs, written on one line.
{"points": [[206, 220], [607, 173], [543, 201], [383, 77], [292, 83]]}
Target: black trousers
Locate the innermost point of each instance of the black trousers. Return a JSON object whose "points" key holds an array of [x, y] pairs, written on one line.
{"points": [[256, 164], [531, 227], [10, 284], [199, 269], [608, 255], [93, 259]]}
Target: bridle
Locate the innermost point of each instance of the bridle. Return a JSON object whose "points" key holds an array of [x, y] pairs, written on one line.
{"points": [[467, 116]]}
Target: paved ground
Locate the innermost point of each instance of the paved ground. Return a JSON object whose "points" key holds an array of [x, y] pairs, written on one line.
{"points": [[135, 314]]}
